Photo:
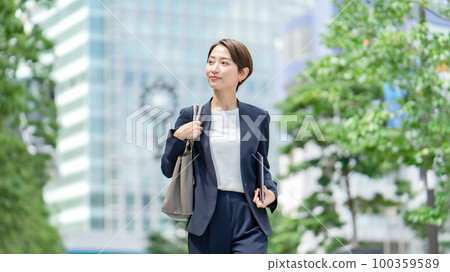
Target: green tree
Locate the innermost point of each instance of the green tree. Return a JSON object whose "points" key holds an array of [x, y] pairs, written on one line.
{"points": [[318, 211], [27, 134], [160, 244], [286, 234], [376, 42]]}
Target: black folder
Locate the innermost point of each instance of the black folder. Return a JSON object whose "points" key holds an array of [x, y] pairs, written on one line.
{"points": [[260, 174]]}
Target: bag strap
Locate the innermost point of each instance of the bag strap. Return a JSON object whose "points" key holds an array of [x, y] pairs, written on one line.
{"points": [[197, 110], [196, 116]]}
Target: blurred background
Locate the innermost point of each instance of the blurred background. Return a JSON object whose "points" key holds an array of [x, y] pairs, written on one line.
{"points": [[358, 92]]}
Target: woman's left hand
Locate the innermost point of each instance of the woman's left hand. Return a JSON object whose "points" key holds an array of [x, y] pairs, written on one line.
{"points": [[269, 197]]}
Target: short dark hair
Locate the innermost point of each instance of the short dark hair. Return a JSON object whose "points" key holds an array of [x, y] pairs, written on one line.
{"points": [[239, 54]]}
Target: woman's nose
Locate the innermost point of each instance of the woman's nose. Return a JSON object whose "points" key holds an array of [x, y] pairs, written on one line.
{"points": [[215, 68]]}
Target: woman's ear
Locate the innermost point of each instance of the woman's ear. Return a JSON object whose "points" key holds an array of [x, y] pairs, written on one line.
{"points": [[244, 73]]}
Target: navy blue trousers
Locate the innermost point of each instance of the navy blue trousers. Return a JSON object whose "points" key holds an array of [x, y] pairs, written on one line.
{"points": [[232, 229]]}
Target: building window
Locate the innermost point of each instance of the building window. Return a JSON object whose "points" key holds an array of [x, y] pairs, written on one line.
{"points": [[97, 175], [96, 99], [96, 24], [129, 77], [96, 125], [98, 200], [97, 75], [145, 200], [72, 130], [98, 223], [130, 200], [146, 224], [115, 199], [115, 224], [96, 49], [129, 51], [131, 223], [73, 154]]}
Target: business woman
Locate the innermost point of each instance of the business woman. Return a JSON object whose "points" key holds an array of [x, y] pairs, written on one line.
{"points": [[229, 216]]}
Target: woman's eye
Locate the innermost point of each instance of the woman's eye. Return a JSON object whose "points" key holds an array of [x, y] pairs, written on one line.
{"points": [[226, 63]]}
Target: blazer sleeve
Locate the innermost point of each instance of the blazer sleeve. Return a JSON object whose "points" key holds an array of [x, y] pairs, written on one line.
{"points": [[263, 149], [174, 146]]}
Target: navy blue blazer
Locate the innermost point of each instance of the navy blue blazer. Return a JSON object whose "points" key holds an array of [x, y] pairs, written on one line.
{"points": [[254, 138]]}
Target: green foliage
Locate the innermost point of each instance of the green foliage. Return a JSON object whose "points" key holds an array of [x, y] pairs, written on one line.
{"points": [[318, 214], [444, 246], [27, 136], [437, 215], [404, 188], [160, 244], [286, 234], [375, 205], [334, 244], [376, 42]]}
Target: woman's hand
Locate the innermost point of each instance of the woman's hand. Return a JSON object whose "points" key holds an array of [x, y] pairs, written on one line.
{"points": [[189, 130], [269, 197]]}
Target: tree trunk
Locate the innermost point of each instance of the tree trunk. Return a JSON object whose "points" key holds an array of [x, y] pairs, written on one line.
{"points": [[351, 205], [432, 230]]}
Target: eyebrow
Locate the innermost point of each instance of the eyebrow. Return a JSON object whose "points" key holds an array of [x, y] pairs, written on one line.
{"points": [[212, 57]]}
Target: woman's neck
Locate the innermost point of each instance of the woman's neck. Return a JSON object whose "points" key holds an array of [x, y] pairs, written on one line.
{"points": [[224, 101]]}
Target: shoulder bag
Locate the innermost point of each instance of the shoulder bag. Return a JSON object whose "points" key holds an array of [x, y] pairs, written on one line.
{"points": [[179, 200]]}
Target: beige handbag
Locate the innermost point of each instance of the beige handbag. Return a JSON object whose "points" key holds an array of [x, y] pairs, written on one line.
{"points": [[179, 200]]}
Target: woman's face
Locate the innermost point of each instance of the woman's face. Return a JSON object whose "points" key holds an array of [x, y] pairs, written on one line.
{"points": [[221, 71]]}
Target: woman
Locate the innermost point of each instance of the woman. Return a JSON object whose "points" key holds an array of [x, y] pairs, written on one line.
{"points": [[229, 216]]}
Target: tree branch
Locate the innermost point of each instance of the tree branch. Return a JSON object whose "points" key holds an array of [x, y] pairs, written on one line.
{"points": [[430, 10]]}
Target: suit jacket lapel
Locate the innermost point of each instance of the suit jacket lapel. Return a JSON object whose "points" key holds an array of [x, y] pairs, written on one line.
{"points": [[245, 145], [206, 124], [204, 140], [243, 125]]}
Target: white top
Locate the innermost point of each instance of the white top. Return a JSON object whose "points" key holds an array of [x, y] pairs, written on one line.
{"points": [[224, 139]]}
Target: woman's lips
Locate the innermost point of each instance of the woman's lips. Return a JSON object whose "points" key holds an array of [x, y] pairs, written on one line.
{"points": [[214, 78]]}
